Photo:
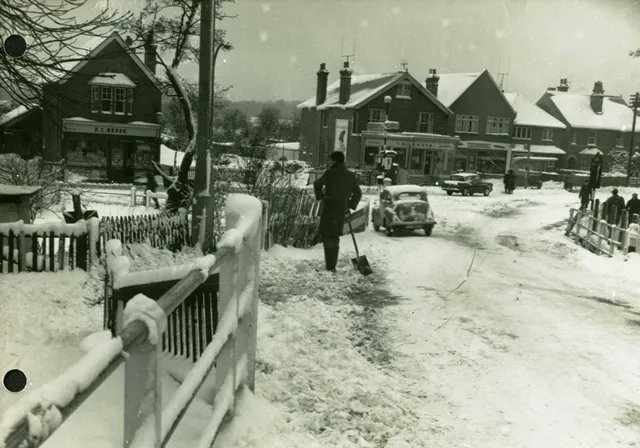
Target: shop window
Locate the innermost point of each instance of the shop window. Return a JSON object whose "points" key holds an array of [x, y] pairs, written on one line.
{"points": [[415, 164], [119, 101], [403, 91], [547, 134], [400, 157], [467, 123], [521, 132], [591, 138], [498, 126], [425, 122], [370, 154], [620, 140]]}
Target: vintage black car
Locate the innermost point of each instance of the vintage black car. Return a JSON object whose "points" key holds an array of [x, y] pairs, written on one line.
{"points": [[403, 207], [467, 184]]}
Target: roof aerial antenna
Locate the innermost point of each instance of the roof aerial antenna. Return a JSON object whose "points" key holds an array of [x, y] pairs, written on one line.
{"points": [[502, 75], [405, 64], [347, 56]]}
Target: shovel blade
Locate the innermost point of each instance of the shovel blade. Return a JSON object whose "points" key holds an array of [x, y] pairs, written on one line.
{"points": [[362, 265]]}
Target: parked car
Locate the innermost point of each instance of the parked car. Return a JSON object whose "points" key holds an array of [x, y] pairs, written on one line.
{"points": [[403, 207], [533, 179], [467, 184]]}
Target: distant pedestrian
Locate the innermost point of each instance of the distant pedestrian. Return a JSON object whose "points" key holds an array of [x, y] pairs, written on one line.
{"points": [[614, 206], [509, 182], [585, 195], [152, 185], [633, 205], [339, 191]]}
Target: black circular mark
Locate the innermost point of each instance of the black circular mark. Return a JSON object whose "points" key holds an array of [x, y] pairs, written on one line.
{"points": [[15, 45], [15, 380]]}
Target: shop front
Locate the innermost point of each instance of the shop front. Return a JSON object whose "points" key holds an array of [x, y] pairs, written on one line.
{"points": [[110, 151], [483, 157], [424, 157]]}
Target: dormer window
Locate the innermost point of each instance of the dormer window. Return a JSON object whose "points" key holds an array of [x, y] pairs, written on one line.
{"points": [[112, 93], [404, 91]]}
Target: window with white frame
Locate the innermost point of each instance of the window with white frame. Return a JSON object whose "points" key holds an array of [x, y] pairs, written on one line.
{"points": [[404, 91], [547, 134], [591, 139], [467, 123], [620, 140], [111, 100], [425, 122], [522, 132], [498, 125], [376, 115]]}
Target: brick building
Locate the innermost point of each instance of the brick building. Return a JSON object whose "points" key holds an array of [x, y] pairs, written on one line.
{"points": [[103, 116], [595, 123], [483, 119], [343, 116]]}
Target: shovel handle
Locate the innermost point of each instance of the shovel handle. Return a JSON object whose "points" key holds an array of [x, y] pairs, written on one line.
{"points": [[353, 238]]}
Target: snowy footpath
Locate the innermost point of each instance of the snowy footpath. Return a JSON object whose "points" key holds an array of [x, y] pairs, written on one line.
{"points": [[496, 331]]}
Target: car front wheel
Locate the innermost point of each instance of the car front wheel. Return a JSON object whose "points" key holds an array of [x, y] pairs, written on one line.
{"points": [[465, 192], [487, 191], [428, 230], [449, 193]]}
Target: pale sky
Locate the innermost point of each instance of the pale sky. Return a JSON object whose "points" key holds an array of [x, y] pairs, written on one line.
{"points": [[279, 44]]}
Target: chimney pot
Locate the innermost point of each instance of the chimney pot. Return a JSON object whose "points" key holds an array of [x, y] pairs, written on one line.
{"points": [[321, 85], [345, 83], [431, 83], [597, 96]]}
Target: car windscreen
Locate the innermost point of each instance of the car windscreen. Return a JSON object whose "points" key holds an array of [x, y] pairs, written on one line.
{"points": [[412, 195], [458, 178]]}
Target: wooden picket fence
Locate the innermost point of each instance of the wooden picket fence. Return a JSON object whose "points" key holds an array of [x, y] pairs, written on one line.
{"points": [[170, 232], [47, 247], [227, 357], [589, 229]]}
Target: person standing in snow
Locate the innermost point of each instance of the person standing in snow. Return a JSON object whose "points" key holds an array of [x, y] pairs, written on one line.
{"points": [[633, 234], [585, 195], [509, 182], [614, 206], [152, 185], [633, 205], [339, 191]]}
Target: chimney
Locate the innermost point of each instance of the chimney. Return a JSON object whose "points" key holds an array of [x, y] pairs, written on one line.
{"points": [[150, 52], [564, 85], [321, 87], [432, 82], [596, 97], [345, 83]]}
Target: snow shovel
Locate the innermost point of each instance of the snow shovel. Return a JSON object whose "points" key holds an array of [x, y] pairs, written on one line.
{"points": [[360, 262]]}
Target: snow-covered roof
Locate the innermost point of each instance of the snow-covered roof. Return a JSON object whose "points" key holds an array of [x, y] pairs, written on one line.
{"points": [[531, 115], [15, 113], [590, 152], [362, 87], [91, 48], [113, 79], [452, 85], [397, 189], [17, 190], [576, 109], [540, 149], [286, 145]]}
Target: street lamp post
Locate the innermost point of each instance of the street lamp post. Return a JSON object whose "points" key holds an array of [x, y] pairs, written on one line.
{"points": [[635, 99]]}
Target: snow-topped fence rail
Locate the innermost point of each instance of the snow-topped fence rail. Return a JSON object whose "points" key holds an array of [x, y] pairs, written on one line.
{"points": [[48, 247], [596, 234], [228, 360]]}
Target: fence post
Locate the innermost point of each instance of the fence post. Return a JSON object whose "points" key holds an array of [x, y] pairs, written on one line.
{"points": [[134, 199], [142, 392], [81, 249], [147, 199], [615, 235], [596, 210], [602, 224], [266, 240], [22, 260]]}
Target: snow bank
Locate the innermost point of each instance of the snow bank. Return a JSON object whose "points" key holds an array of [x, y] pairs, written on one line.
{"points": [[141, 307], [58, 228]]}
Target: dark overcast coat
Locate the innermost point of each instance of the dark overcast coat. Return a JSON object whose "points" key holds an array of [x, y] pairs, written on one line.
{"points": [[339, 191]]}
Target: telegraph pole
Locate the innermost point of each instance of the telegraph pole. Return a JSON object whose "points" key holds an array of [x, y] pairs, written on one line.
{"points": [[203, 209], [635, 99]]}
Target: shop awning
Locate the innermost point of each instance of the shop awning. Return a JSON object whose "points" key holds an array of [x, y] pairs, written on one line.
{"points": [[590, 152], [540, 149], [483, 145]]}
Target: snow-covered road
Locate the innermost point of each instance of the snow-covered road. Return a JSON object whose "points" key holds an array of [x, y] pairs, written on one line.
{"points": [[523, 339]]}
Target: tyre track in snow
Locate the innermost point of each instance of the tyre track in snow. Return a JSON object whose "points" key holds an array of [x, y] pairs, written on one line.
{"points": [[527, 349]]}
